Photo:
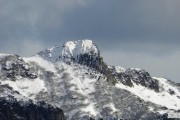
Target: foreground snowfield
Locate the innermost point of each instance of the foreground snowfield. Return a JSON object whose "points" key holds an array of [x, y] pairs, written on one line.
{"points": [[81, 90]]}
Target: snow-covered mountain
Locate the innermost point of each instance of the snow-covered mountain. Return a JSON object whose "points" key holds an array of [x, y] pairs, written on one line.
{"points": [[75, 78]]}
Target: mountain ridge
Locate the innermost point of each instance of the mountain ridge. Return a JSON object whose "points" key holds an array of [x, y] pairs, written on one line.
{"points": [[75, 78]]}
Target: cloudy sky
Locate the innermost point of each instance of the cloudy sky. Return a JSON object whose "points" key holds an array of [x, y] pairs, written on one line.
{"points": [[129, 33]]}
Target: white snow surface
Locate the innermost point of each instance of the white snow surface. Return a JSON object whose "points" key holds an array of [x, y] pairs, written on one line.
{"points": [[40, 61], [8, 64], [138, 69], [117, 69], [74, 48], [90, 109], [27, 87], [162, 98], [171, 114]]}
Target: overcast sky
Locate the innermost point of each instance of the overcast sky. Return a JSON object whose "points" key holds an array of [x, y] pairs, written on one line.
{"points": [[129, 33]]}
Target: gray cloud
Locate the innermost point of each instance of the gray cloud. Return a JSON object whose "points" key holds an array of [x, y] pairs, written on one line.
{"points": [[150, 29], [32, 20]]}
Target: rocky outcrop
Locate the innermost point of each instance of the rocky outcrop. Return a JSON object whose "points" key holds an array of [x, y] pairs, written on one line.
{"points": [[13, 110], [13, 66], [137, 76], [97, 63]]}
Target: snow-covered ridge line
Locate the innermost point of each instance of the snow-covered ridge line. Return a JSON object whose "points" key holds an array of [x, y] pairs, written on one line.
{"points": [[117, 69], [70, 49], [79, 88], [74, 48], [2, 55]]}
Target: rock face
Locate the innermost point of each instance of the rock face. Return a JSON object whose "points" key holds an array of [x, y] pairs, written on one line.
{"points": [[140, 77], [13, 110], [13, 66], [75, 78]]}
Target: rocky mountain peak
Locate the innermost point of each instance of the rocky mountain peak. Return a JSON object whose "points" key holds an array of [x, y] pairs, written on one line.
{"points": [[75, 48], [70, 51], [75, 78]]}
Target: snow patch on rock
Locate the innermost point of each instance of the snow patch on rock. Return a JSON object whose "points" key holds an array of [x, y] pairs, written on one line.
{"points": [[117, 69], [162, 98], [73, 49]]}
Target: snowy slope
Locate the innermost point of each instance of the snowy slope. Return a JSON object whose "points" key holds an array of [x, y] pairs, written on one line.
{"points": [[56, 76], [168, 95], [26, 87], [163, 98]]}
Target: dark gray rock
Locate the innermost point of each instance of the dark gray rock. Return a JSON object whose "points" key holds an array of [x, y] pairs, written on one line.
{"points": [[13, 110]]}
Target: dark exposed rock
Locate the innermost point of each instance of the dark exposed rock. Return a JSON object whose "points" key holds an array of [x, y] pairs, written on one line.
{"points": [[13, 66], [171, 91], [143, 78], [96, 62], [138, 77], [164, 108], [178, 97], [164, 117], [13, 110], [124, 79]]}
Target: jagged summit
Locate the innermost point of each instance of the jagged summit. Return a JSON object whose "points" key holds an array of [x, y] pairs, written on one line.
{"points": [[70, 50], [75, 78], [75, 48]]}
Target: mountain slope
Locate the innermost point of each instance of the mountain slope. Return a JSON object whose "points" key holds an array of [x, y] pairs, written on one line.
{"points": [[75, 78]]}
